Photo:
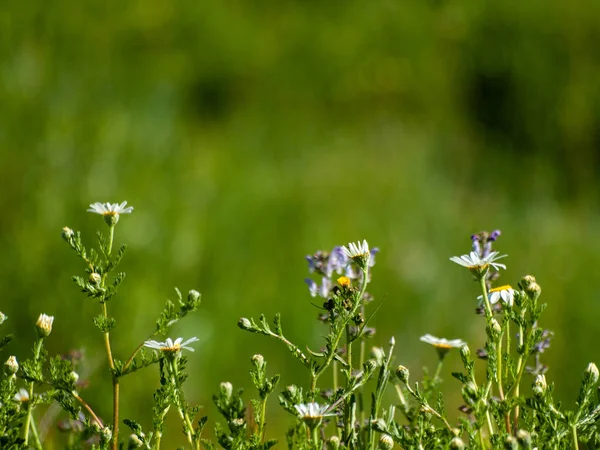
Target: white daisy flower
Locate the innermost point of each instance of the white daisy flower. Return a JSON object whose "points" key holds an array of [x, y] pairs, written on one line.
{"points": [[473, 261], [441, 343], [312, 410], [170, 346], [110, 211], [356, 250], [22, 396], [504, 293]]}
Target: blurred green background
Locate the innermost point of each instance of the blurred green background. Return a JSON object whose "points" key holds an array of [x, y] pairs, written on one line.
{"points": [[249, 134]]}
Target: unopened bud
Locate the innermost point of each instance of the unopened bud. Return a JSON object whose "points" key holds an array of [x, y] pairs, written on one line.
{"points": [[333, 443], [465, 353], [371, 365], [44, 325], [392, 341], [95, 278], [591, 373], [67, 234], [134, 442], [245, 324], [539, 385], [471, 389], [11, 365], [226, 389], [402, 373], [457, 443], [106, 434], [258, 361], [524, 438], [193, 296], [385, 442], [2, 317], [238, 423], [495, 326], [74, 377], [511, 443]]}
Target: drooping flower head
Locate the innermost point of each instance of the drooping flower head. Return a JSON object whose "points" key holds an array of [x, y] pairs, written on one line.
{"points": [[110, 211]]}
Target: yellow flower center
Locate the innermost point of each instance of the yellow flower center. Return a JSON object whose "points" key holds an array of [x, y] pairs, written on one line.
{"points": [[343, 281], [506, 287], [442, 345]]}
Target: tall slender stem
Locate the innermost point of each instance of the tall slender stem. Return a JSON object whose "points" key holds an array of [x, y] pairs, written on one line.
{"points": [[27, 425]]}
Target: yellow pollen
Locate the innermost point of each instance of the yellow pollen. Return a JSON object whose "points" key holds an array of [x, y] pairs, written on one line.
{"points": [[442, 345], [343, 281], [506, 287]]}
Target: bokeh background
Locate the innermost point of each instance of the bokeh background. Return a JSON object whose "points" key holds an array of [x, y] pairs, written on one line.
{"points": [[249, 134]]}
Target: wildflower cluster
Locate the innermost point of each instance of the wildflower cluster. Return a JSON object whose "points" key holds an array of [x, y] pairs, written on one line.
{"points": [[344, 402]]}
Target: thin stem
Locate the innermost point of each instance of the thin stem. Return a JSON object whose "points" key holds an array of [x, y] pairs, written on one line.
{"points": [[36, 437], [187, 423], [27, 425], [574, 434], [87, 408], [261, 423], [315, 437], [489, 316], [436, 375]]}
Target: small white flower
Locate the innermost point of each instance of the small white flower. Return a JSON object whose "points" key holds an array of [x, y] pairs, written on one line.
{"points": [[312, 410], [357, 250], [473, 261], [504, 293], [442, 343], [22, 396], [110, 211], [170, 346]]}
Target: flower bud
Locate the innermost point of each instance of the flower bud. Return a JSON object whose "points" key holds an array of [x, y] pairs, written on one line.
{"points": [[2, 317], [524, 438], [226, 389], [238, 423], [471, 389], [385, 442], [11, 365], [392, 341], [44, 325], [106, 434], [511, 443], [245, 324], [193, 296], [134, 442], [258, 361], [67, 234], [495, 326], [457, 443], [402, 373], [591, 373], [465, 353], [74, 377], [539, 385], [95, 278], [370, 365], [333, 443]]}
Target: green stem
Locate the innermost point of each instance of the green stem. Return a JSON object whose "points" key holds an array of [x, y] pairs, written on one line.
{"points": [[261, 424], [436, 375], [315, 437], [489, 316], [574, 434], [36, 437], [27, 425], [187, 423]]}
